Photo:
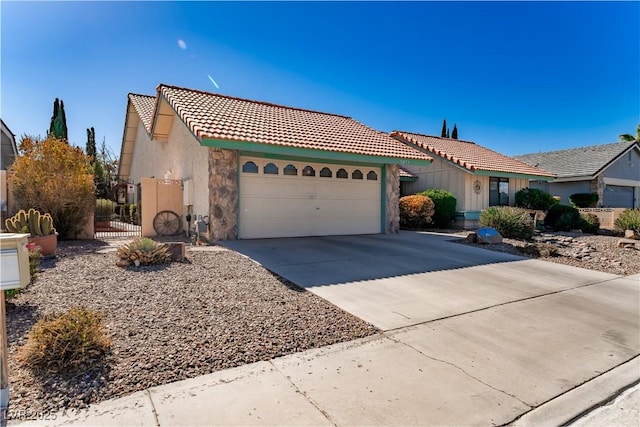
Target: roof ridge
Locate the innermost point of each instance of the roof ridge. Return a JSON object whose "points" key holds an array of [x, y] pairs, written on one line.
{"points": [[140, 94], [437, 137], [628, 143], [269, 104]]}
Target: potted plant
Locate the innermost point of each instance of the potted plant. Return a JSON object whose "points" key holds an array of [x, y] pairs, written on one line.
{"points": [[39, 226]]}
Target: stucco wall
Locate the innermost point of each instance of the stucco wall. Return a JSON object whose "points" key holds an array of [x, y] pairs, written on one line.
{"points": [[566, 189], [180, 158], [392, 191], [626, 167]]}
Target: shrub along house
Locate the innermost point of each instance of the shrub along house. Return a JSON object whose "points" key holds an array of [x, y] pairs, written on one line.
{"points": [[476, 176], [612, 171], [261, 170]]}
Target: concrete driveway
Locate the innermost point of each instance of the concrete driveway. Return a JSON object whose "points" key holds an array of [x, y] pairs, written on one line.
{"points": [[471, 337], [394, 281]]}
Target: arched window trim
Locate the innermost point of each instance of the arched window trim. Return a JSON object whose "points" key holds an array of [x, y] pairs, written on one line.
{"points": [[357, 174], [250, 167], [270, 169], [308, 171], [323, 173], [372, 176], [342, 174], [290, 168]]}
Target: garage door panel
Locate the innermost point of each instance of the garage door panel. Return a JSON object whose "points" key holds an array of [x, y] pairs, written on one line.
{"points": [[618, 197], [289, 206]]}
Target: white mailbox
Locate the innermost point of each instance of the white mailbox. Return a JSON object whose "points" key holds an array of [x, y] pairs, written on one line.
{"points": [[14, 261]]}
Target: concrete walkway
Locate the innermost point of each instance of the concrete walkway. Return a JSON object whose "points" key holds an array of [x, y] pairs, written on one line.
{"points": [[482, 338]]}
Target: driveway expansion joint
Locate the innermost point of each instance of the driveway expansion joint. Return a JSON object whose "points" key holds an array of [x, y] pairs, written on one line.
{"points": [[153, 407], [302, 393], [435, 359]]}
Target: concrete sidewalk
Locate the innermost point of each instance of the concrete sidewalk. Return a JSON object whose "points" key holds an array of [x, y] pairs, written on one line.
{"points": [[545, 360]]}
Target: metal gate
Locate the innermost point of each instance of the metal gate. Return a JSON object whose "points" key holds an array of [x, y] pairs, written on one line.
{"points": [[120, 218]]}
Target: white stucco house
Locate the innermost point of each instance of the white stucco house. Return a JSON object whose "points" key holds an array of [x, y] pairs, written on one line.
{"points": [[610, 170], [8, 154], [477, 176], [261, 170]]}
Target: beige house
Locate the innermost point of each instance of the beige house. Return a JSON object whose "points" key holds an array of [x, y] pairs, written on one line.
{"points": [[260, 170], [8, 154], [476, 176]]}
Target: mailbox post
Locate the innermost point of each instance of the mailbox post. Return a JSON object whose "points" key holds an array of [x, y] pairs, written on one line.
{"points": [[14, 273]]}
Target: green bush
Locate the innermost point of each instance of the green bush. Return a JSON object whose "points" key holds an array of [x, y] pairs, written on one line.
{"points": [[535, 199], [514, 223], [71, 341], [629, 219], [590, 224], [563, 218], [444, 207], [416, 211], [105, 208], [584, 200]]}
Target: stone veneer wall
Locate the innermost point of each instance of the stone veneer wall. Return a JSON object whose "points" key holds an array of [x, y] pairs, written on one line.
{"points": [[393, 198], [597, 186], [223, 194]]}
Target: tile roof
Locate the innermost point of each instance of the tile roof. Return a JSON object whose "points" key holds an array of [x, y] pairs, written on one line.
{"points": [[469, 155], [223, 117], [575, 162], [404, 173], [145, 106]]}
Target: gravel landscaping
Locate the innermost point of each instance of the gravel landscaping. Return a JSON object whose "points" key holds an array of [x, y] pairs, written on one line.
{"points": [[167, 323], [593, 252]]}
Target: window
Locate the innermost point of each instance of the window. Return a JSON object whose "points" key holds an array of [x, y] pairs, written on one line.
{"points": [[356, 174], [325, 173], [290, 170], [308, 171], [498, 191], [372, 176], [250, 167], [270, 169], [342, 174]]}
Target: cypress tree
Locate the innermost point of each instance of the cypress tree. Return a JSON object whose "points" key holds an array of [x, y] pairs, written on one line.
{"points": [[447, 136], [91, 144], [58, 126], [454, 132], [56, 107], [443, 133], [63, 119]]}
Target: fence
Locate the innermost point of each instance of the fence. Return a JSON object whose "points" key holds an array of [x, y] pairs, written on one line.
{"points": [[607, 216]]}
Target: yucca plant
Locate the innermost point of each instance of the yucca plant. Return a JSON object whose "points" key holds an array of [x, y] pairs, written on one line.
{"points": [[143, 251]]}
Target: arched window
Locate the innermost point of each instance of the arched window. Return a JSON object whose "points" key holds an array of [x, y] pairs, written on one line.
{"points": [[325, 173], [290, 170], [250, 167], [357, 174], [342, 174], [308, 171], [270, 169], [372, 176]]}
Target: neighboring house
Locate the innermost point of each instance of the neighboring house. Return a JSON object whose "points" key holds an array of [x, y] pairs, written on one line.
{"points": [[476, 176], [8, 154], [610, 170], [262, 170]]}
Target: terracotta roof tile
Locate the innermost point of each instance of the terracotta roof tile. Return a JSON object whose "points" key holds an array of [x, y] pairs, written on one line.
{"points": [[216, 116], [145, 106], [469, 155]]}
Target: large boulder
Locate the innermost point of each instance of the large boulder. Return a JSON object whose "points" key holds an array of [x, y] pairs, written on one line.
{"points": [[488, 235], [631, 234]]}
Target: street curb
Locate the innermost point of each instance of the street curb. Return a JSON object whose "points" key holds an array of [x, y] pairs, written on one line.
{"points": [[577, 402]]}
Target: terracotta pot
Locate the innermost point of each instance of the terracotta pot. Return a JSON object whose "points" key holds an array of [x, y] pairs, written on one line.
{"points": [[48, 244]]}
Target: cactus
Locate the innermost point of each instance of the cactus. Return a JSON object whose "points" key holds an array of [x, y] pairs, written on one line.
{"points": [[31, 222]]}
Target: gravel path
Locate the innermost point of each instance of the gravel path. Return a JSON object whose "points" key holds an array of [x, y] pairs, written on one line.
{"points": [[167, 323]]}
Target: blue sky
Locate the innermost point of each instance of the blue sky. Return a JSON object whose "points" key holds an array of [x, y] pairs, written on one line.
{"points": [[516, 77]]}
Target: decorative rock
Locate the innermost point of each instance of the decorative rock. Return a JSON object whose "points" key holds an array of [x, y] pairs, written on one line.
{"points": [[488, 235], [177, 251], [631, 234], [472, 238], [626, 243]]}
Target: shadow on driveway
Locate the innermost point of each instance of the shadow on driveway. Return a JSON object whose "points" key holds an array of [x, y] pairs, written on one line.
{"points": [[319, 261]]}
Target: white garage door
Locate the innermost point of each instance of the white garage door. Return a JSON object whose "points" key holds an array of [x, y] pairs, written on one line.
{"points": [[280, 198]]}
